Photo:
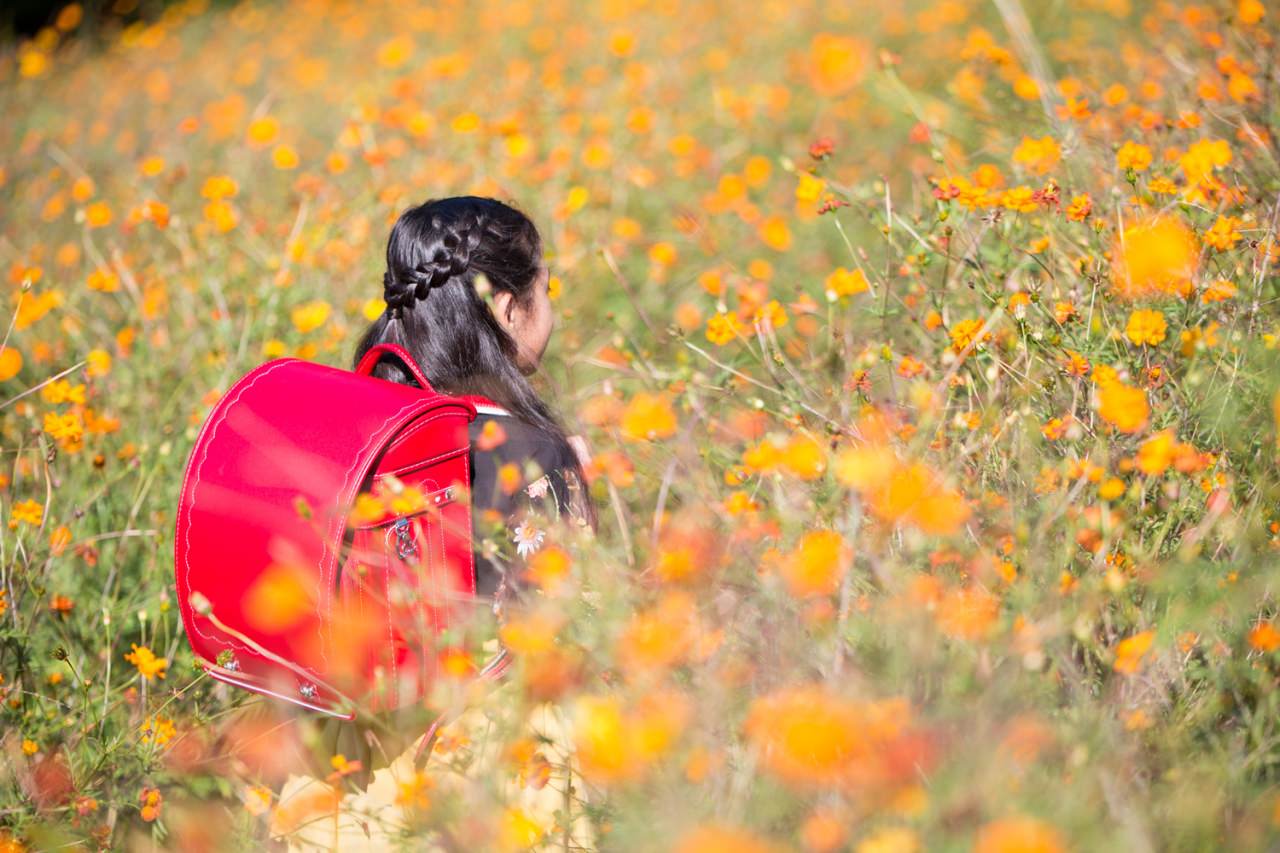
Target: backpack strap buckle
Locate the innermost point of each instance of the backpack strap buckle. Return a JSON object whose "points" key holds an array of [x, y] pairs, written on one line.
{"points": [[406, 548]]}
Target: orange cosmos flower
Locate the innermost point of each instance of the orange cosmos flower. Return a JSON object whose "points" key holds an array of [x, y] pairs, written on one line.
{"points": [[284, 157], [1135, 156], [723, 328], [59, 539], [1026, 87], [10, 363], [310, 316], [772, 312], [394, 52], [1146, 328], [98, 215], [549, 568], [614, 746], [104, 280], [532, 633], [158, 730], [1131, 651], [149, 666], [969, 613], [824, 831], [807, 735], [262, 131], [1018, 834], [648, 417], [1157, 255], [1198, 164], [149, 801], [26, 512], [687, 549], [1055, 428], [715, 838], [915, 495], [221, 216], [811, 737], [1264, 637], [1080, 208], [843, 282], [804, 456], [1218, 291], [659, 638], [1157, 453], [1122, 406], [1038, 155], [1223, 235], [966, 332], [219, 187], [1020, 199], [817, 565], [836, 63], [280, 598], [910, 367]]}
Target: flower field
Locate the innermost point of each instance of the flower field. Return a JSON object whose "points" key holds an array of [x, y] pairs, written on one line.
{"points": [[929, 355]]}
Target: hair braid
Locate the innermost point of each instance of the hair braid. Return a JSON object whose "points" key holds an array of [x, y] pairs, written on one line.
{"points": [[450, 259]]}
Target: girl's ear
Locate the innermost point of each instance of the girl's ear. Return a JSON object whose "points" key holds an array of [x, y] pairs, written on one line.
{"points": [[502, 305]]}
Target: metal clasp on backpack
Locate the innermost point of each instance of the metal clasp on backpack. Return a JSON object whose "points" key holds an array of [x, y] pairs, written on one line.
{"points": [[406, 548]]}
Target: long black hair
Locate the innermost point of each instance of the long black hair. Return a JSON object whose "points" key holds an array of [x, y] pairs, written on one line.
{"points": [[435, 254]]}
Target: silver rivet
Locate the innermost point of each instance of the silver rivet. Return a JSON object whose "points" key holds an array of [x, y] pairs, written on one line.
{"points": [[308, 691], [232, 664]]}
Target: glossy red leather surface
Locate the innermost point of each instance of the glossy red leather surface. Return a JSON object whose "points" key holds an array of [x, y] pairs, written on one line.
{"points": [[282, 605]]}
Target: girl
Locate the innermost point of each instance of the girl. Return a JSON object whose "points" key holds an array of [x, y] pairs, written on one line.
{"points": [[467, 296]]}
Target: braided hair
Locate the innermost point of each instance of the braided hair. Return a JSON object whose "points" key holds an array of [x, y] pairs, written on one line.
{"points": [[450, 259], [435, 254]]}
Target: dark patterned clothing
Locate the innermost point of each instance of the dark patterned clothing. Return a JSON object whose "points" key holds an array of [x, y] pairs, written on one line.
{"points": [[512, 513]]}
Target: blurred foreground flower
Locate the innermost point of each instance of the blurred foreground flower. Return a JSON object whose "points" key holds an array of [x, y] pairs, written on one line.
{"points": [[899, 492], [1154, 256], [1131, 651], [648, 416], [811, 737], [1018, 835], [715, 838], [616, 745]]}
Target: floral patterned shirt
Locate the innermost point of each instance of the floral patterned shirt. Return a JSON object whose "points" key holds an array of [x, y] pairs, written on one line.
{"points": [[521, 483]]}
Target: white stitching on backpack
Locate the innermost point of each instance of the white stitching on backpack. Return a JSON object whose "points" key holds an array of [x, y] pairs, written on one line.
{"points": [[212, 427], [423, 462], [405, 436]]}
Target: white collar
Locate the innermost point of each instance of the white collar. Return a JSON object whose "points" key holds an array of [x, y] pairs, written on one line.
{"points": [[482, 409]]}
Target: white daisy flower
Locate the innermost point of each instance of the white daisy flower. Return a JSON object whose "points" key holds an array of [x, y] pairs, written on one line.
{"points": [[527, 538]]}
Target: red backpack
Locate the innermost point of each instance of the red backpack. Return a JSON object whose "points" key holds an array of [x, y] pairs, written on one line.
{"points": [[323, 535]]}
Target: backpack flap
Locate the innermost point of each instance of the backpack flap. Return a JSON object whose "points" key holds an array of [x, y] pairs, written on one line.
{"points": [[262, 519]]}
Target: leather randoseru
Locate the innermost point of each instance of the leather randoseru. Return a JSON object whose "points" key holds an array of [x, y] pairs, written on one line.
{"points": [[288, 584]]}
